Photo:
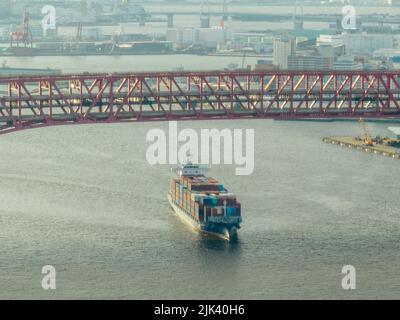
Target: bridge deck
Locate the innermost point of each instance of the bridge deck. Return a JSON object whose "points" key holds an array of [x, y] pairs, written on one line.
{"points": [[27, 102]]}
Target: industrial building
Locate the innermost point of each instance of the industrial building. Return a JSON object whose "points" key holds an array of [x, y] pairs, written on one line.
{"points": [[347, 63], [206, 37], [309, 62], [358, 43], [259, 42]]}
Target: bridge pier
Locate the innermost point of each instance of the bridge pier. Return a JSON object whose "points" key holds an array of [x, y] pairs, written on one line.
{"points": [[205, 21], [170, 20], [142, 21]]}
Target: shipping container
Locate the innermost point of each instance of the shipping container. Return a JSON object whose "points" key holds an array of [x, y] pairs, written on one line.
{"points": [[223, 202], [231, 211], [213, 212]]}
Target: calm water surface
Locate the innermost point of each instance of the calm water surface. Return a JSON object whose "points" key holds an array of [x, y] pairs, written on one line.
{"points": [[84, 199]]}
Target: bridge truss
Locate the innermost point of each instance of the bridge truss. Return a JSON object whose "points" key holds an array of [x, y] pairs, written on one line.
{"points": [[28, 102]]}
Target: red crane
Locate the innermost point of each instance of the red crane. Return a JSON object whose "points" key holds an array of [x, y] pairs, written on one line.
{"points": [[23, 35]]}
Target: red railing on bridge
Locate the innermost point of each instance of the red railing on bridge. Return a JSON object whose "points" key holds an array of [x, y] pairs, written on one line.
{"points": [[27, 102]]}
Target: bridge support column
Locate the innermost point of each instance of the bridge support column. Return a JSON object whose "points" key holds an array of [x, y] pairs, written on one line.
{"points": [[205, 21], [170, 20], [142, 21]]}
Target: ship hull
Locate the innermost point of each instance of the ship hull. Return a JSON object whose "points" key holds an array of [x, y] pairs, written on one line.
{"points": [[222, 231]]}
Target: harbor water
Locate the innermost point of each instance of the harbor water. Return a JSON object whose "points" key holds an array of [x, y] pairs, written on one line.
{"points": [[85, 200]]}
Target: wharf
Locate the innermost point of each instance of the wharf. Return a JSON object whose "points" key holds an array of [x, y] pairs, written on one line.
{"points": [[354, 143]]}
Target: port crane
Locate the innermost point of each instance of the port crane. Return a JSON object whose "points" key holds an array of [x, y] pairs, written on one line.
{"points": [[22, 35], [368, 141]]}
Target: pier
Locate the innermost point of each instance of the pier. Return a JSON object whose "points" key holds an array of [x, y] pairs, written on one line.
{"points": [[357, 144]]}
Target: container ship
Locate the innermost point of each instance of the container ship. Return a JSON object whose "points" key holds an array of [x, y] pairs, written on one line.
{"points": [[204, 203]]}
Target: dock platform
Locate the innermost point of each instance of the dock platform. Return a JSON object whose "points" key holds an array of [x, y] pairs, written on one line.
{"points": [[354, 143]]}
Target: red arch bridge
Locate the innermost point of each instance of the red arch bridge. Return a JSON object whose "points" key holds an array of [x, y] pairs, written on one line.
{"points": [[36, 101]]}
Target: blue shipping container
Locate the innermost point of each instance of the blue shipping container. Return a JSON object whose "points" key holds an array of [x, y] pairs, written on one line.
{"points": [[230, 211]]}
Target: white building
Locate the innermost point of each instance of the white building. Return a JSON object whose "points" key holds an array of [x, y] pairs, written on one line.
{"points": [[283, 48], [183, 36], [334, 40], [258, 41], [207, 37], [358, 43], [363, 43], [331, 45], [212, 37]]}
